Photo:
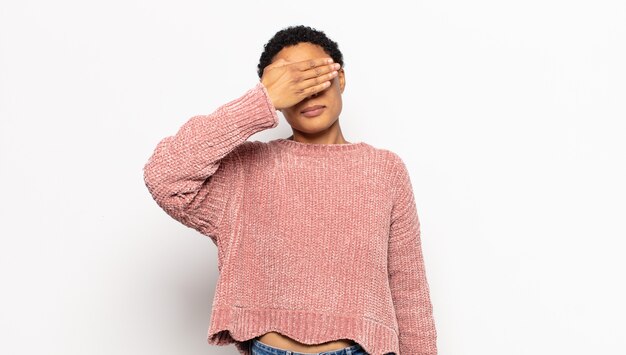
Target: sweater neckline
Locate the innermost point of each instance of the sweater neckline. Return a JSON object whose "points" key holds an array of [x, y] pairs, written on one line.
{"points": [[319, 148]]}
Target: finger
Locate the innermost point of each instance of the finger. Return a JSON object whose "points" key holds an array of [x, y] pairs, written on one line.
{"points": [[319, 71], [318, 80], [280, 62], [315, 89], [312, 63]]}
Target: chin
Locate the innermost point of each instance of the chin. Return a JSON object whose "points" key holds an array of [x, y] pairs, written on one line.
{"points": [[314, 125]]}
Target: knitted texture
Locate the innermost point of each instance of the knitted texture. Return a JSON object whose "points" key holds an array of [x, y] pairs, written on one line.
{"points": [[316, 241]]}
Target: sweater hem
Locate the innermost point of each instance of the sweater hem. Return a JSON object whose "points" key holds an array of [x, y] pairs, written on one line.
{"points": [[237, 325]]}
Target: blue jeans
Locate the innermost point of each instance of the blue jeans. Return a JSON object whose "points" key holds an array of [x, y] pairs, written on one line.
{"points": [[260, 348]]}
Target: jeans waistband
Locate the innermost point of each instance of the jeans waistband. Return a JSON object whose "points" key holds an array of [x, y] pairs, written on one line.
{"points": [[349, 350]]}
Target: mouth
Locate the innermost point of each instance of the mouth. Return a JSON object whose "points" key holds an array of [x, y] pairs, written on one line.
{"points": [[312, 111]]}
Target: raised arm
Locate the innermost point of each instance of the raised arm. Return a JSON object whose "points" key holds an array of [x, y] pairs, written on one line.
{"points": [[190, 174], [181, 174]]}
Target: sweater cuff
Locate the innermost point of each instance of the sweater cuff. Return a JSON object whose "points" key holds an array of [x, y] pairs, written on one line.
{"points": [[254, 111]]}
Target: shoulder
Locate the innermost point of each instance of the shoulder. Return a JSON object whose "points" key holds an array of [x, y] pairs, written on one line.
{"points": [[392, 161], [398, 173], [249, 150], [391, 164]]}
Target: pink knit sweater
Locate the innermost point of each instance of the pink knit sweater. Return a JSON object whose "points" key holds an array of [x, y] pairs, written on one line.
{"points": [[316, 241]]}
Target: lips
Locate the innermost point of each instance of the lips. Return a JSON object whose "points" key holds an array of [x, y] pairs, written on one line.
{"points": [[312, 108]]}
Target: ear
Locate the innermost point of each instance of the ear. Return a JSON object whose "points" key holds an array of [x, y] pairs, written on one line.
{"points": [[342, 79]]}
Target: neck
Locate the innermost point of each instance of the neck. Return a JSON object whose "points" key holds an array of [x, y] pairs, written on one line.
{"points": [[332, 135]]}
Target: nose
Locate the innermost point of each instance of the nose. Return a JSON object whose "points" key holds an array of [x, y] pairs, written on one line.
{"points": [[314, 95]]}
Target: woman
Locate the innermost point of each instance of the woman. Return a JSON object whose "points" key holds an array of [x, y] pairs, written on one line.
{"points": [[318, 238]]}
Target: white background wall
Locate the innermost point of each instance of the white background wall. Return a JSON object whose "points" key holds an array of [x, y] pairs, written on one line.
{"points": [[510, 116]]}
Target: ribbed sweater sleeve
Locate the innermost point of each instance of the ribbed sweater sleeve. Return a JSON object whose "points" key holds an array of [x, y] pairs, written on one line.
{"points": [[189, 175], [407, 275]]}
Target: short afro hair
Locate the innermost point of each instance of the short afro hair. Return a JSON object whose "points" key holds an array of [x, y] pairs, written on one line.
{"points": [[290, 36]]}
